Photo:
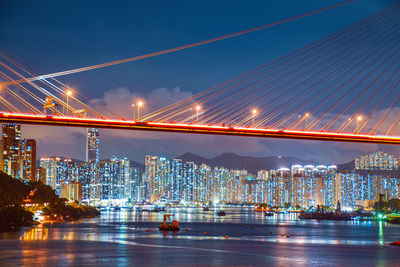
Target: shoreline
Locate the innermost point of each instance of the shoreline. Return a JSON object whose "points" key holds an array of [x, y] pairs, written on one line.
{"points": [[31, 225]]}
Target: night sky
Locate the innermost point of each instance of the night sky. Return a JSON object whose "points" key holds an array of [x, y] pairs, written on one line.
{"points": [[50, 36]]}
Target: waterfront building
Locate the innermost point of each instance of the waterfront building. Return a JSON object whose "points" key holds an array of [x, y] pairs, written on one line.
{"points": [[110, 184], [298, 186], [114, 181], [201, 185], [157, 178], [175, 180], [151, 184], [189, 177], [329, 187], [84, 177], [279, 186], [134, 187], [249, 189], [71, 191]]}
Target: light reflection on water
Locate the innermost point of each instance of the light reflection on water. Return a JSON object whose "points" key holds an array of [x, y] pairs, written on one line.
{"points": [[123, 223], [206, 232]]}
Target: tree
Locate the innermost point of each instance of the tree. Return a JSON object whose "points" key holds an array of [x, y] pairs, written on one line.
{"points": [[394, 204], [42, 193]]}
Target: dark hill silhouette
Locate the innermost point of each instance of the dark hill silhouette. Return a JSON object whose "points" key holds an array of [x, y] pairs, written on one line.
{"points": [[135, 164], [349, 166]]}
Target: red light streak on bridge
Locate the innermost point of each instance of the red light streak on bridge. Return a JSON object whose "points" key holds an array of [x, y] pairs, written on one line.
{"points": [[50, 120]]}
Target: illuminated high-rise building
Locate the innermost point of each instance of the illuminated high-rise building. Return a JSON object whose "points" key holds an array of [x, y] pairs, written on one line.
{"points": [[201, 184], [134, 187], [176, 179], [85, 179], [92, 145], [329, 187], [110, 184], [189, 177], [150, 183], [71, 191], [298, 186], [28, 159], [49, 165], [10, 146], [41, 174], [377, 161]]}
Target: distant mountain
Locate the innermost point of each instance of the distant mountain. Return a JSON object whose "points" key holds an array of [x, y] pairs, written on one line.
{"points": [[138, 165], [349, 166], [252, 164]]}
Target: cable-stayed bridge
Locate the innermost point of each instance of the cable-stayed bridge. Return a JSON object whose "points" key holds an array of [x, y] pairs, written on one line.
{"points": [[344, 87]]}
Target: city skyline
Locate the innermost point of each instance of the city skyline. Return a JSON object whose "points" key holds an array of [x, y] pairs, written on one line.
{"points": [[115, 182]]}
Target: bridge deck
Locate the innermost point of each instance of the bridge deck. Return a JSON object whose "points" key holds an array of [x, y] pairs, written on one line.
{"points": [[193, 129]]}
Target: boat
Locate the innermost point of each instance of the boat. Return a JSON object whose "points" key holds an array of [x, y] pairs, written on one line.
{"points": [[117, 208], [220, 213], [396, 243], [325, 216], [259, 208], [173, 226], [393, 215], [206, 209], [267, 213]]}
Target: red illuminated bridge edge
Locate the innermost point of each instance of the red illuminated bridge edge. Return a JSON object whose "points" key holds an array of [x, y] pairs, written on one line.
{"points": [[51, 120]]}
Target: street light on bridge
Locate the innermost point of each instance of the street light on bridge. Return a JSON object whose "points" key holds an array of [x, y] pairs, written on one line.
{"points": [[69, 93], [139, 104], [254, 111], [306, 118], [198, 108], [359, 119]]}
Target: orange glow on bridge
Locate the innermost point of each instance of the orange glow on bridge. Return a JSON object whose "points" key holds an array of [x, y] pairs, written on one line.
{"points": [[193, 128]]}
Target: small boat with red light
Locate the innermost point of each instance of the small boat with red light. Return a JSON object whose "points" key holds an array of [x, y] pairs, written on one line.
{"points": [[220, 213], [173, 226]]}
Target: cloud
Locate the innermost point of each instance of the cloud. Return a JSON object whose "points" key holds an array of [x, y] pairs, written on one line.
{"points": [[120, 100]]}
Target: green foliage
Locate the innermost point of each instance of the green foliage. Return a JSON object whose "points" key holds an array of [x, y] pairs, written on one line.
{"points": [[42, 193], [46, 211], [12, 191], [394, 204], [71, 212], [15, 216], [381, 206]]}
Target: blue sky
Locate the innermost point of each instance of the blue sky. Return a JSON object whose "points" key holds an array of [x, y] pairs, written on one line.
{"points": [[54, 36]]}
